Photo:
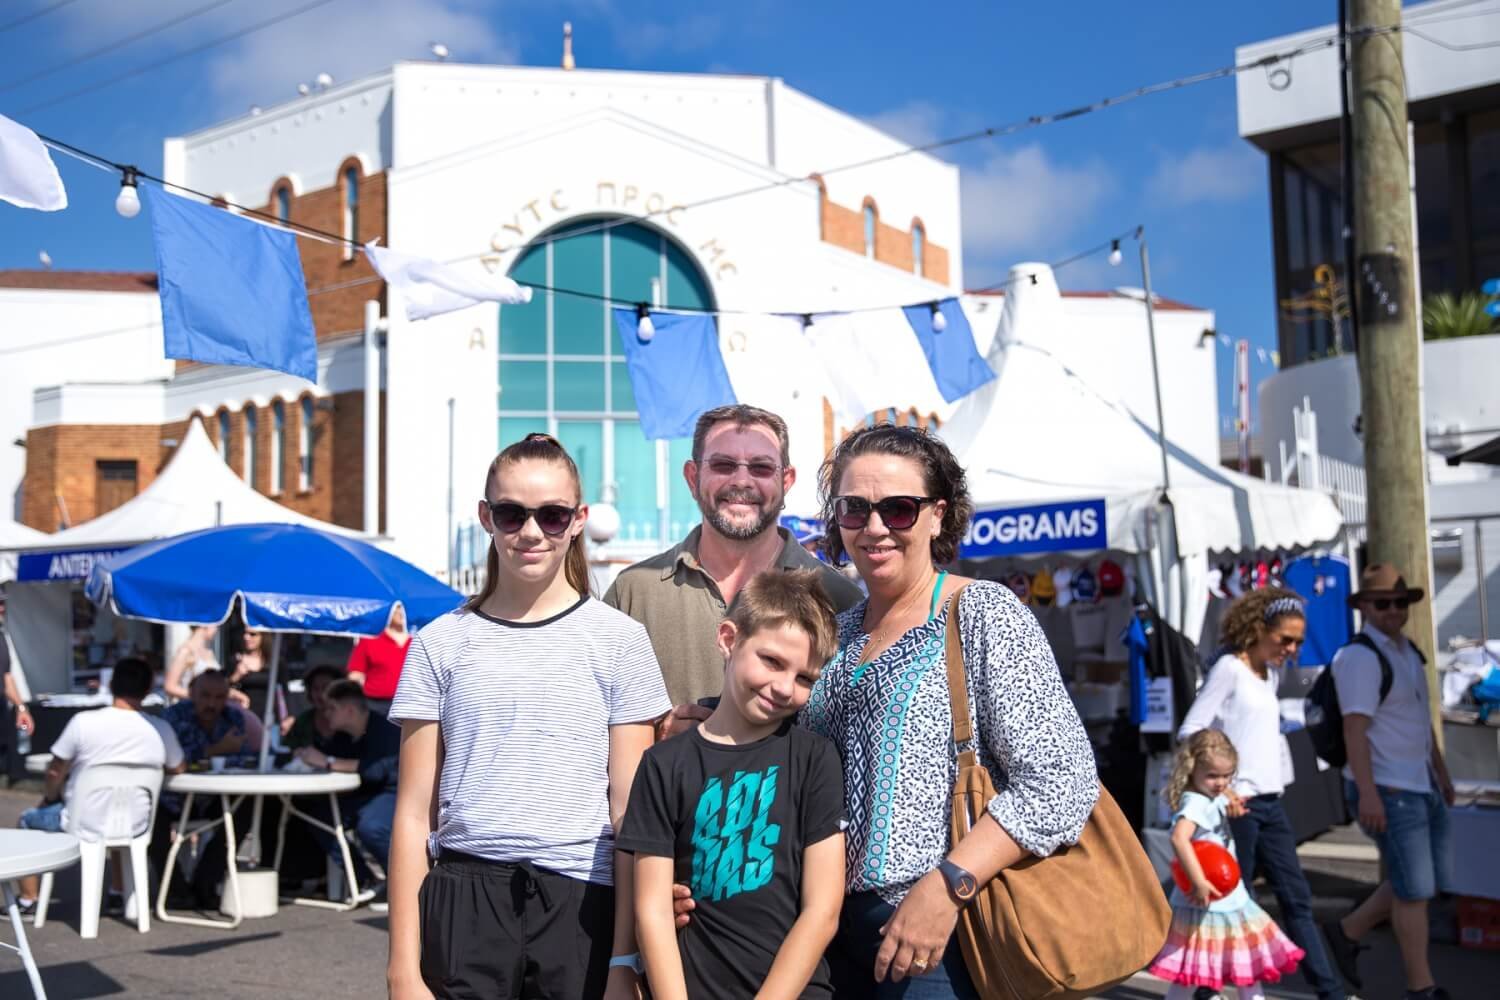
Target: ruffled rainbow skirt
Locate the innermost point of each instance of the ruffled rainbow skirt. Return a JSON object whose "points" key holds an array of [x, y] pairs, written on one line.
{"points": [[1236, 948]]}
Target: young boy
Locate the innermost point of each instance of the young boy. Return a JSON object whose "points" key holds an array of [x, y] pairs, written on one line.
{"points": [[748, 811]]}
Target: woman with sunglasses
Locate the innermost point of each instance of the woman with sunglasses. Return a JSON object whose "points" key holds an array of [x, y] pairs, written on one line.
{"points": [[896, 503], [1263, 631], [523, 716]]}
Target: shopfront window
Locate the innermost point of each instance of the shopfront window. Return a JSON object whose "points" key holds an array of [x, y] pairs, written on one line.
{"points": [[562, 370], [1457, 164], [278, 446], [1484, 194], [252, 446]]}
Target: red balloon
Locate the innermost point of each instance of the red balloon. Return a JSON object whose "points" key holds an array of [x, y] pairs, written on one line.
{"points": [[1219, 867]]}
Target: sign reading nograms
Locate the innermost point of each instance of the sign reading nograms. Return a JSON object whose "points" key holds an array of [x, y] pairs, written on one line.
{"points": [[1076, 525]]}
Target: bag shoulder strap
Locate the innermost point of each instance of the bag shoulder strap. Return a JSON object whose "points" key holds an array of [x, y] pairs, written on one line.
{"points": [[1387, 676], [958, 685]]}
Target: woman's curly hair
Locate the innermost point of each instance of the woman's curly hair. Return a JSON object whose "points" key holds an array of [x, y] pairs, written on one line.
{"points": [[1249, 617], [1203, 745], [943, 475]]}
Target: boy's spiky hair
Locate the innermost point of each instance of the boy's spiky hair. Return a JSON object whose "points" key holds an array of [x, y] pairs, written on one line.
{"points": [[795, 597]]}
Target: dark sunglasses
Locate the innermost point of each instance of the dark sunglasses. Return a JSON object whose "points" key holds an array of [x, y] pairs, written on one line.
{"points": [[896, 513], [1286, 641], [1384, 603], [728, 467], [510, 517]]}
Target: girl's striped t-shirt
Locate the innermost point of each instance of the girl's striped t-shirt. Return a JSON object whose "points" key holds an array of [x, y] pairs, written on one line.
{"points": [[524, 710]]}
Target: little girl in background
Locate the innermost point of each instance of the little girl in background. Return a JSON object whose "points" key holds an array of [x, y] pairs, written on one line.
{"points": [[1216, 939]]}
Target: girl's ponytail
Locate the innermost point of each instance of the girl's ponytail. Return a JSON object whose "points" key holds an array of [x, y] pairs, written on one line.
{"points": [[545, 448]]}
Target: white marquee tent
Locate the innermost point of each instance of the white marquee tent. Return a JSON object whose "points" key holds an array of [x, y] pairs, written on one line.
{"points": [[1095, 447], [195, 490], [14, 535]]}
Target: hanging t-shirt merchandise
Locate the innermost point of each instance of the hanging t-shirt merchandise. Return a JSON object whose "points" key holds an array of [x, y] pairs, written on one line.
{"points": [[736, 819], [1323, 582]]}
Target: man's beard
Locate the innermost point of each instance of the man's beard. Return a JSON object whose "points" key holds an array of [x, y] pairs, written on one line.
{"points": [[770, 512]]}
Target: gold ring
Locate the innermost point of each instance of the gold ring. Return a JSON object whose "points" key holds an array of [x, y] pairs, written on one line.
{"points": [[919, 964]]}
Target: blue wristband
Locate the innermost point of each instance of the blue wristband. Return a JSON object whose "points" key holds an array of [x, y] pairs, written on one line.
{"points": [[631, 961]]}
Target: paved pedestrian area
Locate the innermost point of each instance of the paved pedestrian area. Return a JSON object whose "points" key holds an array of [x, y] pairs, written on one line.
{"points": [[304, 952]]}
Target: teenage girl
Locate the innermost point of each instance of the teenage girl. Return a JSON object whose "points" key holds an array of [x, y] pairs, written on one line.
{"points": [[523, 716], [1216, 939]]}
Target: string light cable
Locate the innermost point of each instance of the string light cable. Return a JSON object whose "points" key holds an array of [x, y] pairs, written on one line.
{"points": [[1266, 62], [1000, 286], [116, 45], [28, 18], [1452, 46]]}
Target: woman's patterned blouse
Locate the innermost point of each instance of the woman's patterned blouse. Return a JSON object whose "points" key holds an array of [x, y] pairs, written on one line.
{"points": [[893, 725]]}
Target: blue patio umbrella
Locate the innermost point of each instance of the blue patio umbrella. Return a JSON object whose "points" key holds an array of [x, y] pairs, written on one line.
{"points": [[290, 578], [287, 577]]}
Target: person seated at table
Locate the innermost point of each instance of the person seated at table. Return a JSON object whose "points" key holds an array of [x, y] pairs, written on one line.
{"points": [[118, 734], [208, 726], [370, 809], [311, 727]]}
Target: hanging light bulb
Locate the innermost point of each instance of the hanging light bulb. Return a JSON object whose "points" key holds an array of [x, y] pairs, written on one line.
{"points": [[644, 328], [128, 201], [939, 321], [1114, 253]]}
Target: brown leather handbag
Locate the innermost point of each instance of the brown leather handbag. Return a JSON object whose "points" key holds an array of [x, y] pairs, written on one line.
{"points": [[1073, 924]]}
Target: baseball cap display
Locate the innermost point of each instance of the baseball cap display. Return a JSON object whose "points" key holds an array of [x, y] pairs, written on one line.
{"points": [[1017, 582], [1085, 586], [1111, 578], [1063, 581], [1043, 587]]}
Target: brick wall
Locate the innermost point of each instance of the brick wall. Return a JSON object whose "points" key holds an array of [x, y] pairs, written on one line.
{"points": [[845, 228], [61, 461], [341, 310], [61, 470], [348, 445]]}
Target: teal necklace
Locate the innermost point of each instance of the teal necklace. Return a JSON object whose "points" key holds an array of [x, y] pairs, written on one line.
{"points": [[859, 670]]}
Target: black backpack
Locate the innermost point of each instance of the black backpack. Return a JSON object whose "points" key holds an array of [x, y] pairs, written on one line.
{"points": [[1325, 718]]}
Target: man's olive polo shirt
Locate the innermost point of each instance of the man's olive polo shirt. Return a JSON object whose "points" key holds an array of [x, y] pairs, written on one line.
{"points": [[681, 606]]}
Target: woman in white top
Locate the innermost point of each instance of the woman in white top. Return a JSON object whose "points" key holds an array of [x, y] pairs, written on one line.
{"points": [[195, 656], [1264, 630], [523, 717]]}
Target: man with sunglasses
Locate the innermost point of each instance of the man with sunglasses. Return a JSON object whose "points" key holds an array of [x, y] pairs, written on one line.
{"points": [[739, 474], [1396, 779]]}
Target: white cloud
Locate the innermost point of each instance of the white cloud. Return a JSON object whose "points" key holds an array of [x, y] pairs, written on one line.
{"points": [[1024, 203], [916, 123], [1208, 174], [692, 33], [346, 40], [349, 41]]}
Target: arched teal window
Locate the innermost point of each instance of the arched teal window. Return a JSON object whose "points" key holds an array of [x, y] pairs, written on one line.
{"points": [[562, 369]]}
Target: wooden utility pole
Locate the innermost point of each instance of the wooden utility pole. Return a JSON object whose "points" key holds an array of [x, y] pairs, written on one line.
{"points": [[1389, 336]]}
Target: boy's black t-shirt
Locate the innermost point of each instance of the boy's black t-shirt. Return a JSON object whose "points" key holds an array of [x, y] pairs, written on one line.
{"points": [[736, 820]]}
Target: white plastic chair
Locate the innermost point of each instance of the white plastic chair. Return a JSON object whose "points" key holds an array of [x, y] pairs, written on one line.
{"points": [[98, 834]]}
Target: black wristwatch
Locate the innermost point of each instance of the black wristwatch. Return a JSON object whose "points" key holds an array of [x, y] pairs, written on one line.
{"points": [[962, 885]]}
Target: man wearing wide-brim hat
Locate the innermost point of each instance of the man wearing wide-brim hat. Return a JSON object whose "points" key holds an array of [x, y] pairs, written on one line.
{"points": [[1396, 779]]}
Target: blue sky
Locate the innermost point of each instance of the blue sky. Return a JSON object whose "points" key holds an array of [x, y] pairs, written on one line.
{"points": [[1172, 162]]}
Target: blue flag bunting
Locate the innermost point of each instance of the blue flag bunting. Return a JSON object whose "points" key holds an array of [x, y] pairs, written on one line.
{"points": [[232, 291], [955, 362], [677, 375]]}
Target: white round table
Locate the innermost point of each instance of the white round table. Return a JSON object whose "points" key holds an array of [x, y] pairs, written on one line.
{"points": [[236, 785], [31, 852]]}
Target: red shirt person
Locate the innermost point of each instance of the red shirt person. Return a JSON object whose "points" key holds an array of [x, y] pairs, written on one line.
{"points": [[376, 662]]}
